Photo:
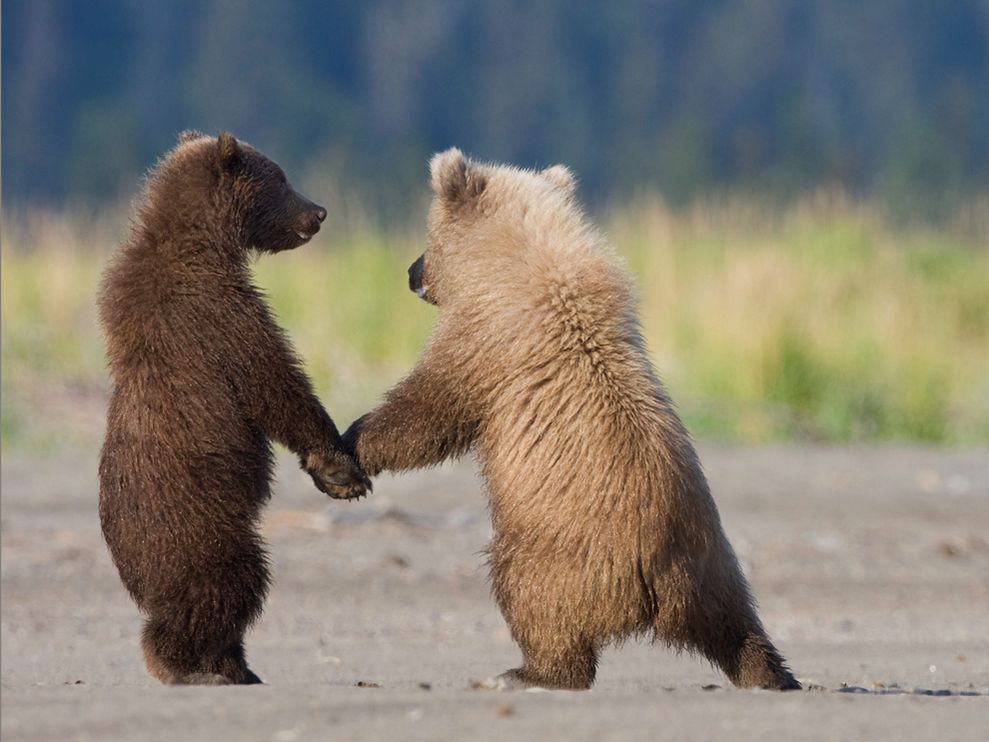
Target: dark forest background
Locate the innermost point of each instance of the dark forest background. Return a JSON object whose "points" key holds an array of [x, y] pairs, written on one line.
{"points": [[880, 97], [800, 187]]}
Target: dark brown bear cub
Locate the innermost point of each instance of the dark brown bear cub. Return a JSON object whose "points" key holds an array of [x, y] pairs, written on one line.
{"points": [[202, 379], [604, 526]]}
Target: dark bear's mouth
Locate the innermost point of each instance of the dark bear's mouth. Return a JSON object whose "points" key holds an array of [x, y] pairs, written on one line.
{"points": [[304, 236]]}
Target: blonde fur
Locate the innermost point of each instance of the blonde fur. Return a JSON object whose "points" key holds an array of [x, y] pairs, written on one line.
{"points": [[604, 526]]}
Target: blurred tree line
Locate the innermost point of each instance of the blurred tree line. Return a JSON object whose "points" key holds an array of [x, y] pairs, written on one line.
{"points": [[887, 97]]}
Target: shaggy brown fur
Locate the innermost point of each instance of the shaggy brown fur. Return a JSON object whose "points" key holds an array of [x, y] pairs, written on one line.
{"points": [[604, 527], [202, 378]]}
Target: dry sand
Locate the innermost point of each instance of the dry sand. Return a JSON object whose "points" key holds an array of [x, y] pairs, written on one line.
{"points": [[871, 566]]}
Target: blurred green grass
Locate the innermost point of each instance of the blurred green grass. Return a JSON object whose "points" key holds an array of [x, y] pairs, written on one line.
{"points": [[825, 320]]}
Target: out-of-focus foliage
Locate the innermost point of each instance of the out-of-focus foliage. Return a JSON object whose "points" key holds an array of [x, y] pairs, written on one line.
{"points": [[823, 321], [683, 96]]}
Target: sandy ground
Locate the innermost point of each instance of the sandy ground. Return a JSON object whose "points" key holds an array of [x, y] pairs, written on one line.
{"points": [[871, 566]]}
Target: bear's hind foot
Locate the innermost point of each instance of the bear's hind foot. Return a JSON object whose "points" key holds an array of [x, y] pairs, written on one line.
{"points": [[779, 679], [519, 679], [250, 678], [760, 665], [214, 678], [510, 680], [200, 678]]}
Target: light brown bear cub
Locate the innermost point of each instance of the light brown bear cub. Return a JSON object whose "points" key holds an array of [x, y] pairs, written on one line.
{"points": [[604, 526]]}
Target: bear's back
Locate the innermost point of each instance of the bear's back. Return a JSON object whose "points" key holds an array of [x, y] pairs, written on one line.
{"points": [[168, 335]]}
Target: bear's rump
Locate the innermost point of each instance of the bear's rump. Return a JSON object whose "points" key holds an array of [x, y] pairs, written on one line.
{"points": [[164, 526], [593, 512], [168, 505]]}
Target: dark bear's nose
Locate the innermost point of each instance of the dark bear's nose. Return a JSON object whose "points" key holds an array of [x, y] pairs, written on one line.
{"points": [[415, 275], [320, 214]]}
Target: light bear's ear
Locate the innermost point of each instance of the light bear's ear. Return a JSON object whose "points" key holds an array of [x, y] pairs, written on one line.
{"points": [[455, 178], [229, 151], [189, 135], [561, 177]]}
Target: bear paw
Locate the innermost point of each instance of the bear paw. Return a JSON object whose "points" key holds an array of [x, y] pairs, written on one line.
{"points": [[337, 475]]}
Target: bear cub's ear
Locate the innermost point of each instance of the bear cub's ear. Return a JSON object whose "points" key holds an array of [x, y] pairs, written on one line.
{"points": [[561, 177], [229, 151], [455, 178]]}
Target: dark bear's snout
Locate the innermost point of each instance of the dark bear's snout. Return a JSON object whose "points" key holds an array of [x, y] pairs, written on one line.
{"points": [[288, 224], [417, 279], [311, 216]]}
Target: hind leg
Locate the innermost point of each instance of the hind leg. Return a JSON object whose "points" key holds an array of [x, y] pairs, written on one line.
{"points": [[198, 639], [553, 664], [740, 647], [758, 664], [171, 660], [232, 664], [174, 660], [718, 620], [556, 650], [547, 620]]}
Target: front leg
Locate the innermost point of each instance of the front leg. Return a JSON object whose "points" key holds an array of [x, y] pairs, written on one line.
{"points": [[294, 416], [423, 421], [278, 397]]}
